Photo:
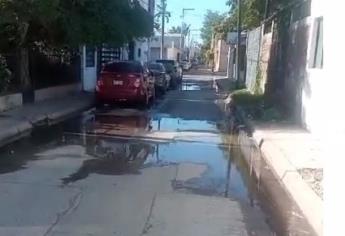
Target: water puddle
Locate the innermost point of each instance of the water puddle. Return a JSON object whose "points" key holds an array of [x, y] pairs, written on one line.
{"points": [[190, 87], [99, 152], [176, 124]]}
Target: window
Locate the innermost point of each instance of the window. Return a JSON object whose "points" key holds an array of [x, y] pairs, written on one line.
{"points": [[317, 44], [139, 52], [123, 67], [90, 56]]}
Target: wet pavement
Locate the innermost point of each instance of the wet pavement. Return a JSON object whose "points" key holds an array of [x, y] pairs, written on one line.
{"points": [[124, 171]]}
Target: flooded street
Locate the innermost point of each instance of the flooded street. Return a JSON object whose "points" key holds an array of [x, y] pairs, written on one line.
{"points": [[125, 171]]}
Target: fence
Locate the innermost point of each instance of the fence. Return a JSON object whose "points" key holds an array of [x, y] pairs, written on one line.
{"points": [[46, 69]]}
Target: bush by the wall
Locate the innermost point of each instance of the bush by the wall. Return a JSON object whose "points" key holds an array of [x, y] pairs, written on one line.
{"points": [[5, 75]]}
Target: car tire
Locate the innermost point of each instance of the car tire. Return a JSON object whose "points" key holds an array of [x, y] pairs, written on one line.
{"points": [[145, 103], [99, 104], [173, 84]]}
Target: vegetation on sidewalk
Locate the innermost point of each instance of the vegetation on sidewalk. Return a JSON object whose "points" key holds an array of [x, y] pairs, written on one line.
{"points": [[5, 75], [256, 106]]}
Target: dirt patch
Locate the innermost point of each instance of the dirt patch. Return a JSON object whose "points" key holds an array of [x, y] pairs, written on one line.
{"points": [[314, 177]]}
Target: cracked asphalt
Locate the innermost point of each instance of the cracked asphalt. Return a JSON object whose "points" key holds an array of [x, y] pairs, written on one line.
{"points": [[123, 171]]}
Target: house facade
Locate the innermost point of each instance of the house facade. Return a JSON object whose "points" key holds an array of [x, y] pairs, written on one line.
{"points": [[171, 49], [287, 64]]}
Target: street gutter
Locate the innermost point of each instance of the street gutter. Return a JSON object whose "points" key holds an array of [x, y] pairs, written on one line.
{"points": [[305, 198], [18, 123]]}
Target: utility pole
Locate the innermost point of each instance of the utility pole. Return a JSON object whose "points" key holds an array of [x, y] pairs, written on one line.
{"points": [[182, 26], [238, 56], [164, 6]]}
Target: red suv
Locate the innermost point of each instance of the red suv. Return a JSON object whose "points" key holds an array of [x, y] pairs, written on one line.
{"points": [[125, 81]]}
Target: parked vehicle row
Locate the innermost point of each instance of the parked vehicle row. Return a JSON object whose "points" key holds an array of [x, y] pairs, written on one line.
{"points": [[131, 81]]}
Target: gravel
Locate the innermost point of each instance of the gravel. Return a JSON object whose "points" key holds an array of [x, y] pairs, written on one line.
{"points": [[314, 178]]}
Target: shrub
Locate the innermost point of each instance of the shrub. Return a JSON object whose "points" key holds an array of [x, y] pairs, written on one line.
{"points": [[255, 106], [5, 75], [243, 97]]}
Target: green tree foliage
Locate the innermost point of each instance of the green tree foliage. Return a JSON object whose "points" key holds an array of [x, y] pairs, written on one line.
{"points": [[177, 29], [67, 23], [5, 75], [253, 12], [212, 20]]}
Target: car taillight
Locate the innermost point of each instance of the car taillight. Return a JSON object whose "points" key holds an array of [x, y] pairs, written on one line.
{"points": [[100, 83], [133, 75], [137, 83]]}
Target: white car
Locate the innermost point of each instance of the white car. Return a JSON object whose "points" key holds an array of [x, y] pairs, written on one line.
{"points": [[186, 65]]}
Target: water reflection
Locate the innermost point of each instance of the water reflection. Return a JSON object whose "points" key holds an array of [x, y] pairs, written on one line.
{"points": [[111, 158]]}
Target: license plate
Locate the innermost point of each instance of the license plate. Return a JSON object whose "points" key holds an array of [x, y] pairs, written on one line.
{"points": [[117, 82]]}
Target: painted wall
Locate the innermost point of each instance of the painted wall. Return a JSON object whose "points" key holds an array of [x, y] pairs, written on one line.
{"points": [[57, 92], [10, 101], [253, 56], [220, 52]]}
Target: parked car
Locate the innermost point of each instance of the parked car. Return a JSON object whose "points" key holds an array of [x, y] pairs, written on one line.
{"points": [[162, 79], [125, 81], [174, 70], [186, 65], [179, 71]]}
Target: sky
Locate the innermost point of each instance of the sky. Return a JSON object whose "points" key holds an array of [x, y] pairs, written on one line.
{"points": [[195, 18]]}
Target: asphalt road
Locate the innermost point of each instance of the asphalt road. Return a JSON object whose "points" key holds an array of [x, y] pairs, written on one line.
{"points": [[123, 171]]}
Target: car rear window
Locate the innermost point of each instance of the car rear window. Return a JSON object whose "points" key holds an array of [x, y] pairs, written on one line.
{"points": [[123, 67], [156, 67], [165, 62]]}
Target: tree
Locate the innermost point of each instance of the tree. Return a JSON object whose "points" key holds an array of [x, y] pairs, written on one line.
{"points": [[177, 29], [253, 12], [65, 23], [212, 19]]}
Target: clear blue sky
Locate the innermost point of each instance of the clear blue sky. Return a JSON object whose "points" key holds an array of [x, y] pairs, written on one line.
{"points": [[195, 18]]}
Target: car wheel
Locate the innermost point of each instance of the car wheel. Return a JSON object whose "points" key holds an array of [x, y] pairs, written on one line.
{"points": [[153, 95], [173, 84], [144, 104], [99, 104]]}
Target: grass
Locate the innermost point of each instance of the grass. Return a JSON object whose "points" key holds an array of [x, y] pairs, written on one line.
{"points": [[255, 106]]}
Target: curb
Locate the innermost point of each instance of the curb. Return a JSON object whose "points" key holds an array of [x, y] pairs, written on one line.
{"points": [[304, 197], [24, 127]]}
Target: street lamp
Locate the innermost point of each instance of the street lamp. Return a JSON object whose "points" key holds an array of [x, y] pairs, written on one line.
{"points": [[181, 38]]}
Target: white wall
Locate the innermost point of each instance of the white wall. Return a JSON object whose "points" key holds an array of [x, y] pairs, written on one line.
{"points": [[57, 92], [10, 101], [89, 73], [315, 96]]}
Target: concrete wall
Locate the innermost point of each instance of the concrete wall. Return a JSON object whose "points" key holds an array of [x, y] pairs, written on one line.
{"points": [[172, 53], [265, 51], [143, 46], [253, 56], [296, 82], [10, 101], [220, 50], [56, 92], [170, 40], [305, 85]]}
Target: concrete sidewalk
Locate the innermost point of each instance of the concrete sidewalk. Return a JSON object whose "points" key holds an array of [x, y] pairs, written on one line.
{"points": [[293, 154], [296, 158], [17, 123]]}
